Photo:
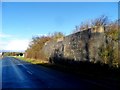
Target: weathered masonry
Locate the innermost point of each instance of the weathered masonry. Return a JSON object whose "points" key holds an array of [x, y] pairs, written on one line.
{"points": [[80, 46]]}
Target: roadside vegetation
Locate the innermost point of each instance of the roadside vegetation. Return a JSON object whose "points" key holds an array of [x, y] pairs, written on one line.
{"points": [[33, 61], [35, 49], [108, 53]]}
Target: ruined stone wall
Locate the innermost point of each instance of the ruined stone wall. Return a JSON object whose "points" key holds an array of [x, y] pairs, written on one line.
{"points": [[80, 46], [84, 45]]}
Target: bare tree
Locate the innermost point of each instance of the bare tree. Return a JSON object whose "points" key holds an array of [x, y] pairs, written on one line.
{"points": [[85, 25], [100, 21]]}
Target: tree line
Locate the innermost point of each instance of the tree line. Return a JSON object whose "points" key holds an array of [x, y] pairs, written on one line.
{"points": [[12, 54]]}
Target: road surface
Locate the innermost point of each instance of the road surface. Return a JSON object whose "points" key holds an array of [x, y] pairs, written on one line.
{"points": [[20, 74]]}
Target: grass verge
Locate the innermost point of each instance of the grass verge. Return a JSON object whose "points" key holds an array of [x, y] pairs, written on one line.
{"points": [[33, 61]]}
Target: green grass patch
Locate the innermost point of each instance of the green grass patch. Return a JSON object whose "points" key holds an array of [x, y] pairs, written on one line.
{"points": [[33, 61]]}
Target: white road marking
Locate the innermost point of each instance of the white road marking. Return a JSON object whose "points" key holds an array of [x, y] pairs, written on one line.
{"points": [[24, 66], [29, 72]]}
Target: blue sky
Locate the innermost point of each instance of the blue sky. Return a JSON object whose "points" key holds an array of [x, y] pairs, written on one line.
{"points": [[21, 21]]}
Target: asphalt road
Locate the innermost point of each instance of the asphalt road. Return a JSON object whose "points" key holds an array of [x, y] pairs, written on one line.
{"points": [[20, 74]]}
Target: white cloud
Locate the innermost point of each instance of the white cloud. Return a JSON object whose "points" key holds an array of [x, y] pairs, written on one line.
{"points": [[4, 35], [16, 45], [10, 42], [2, 44]]}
